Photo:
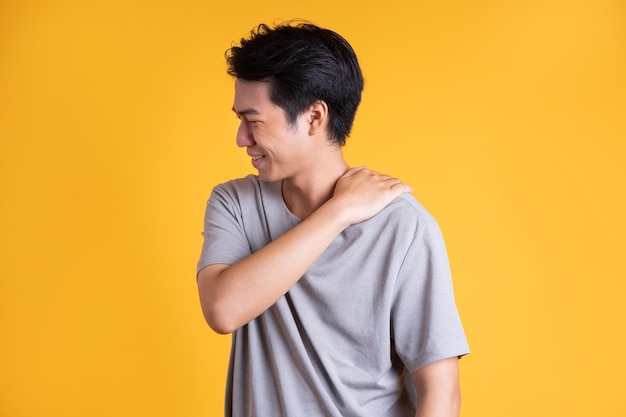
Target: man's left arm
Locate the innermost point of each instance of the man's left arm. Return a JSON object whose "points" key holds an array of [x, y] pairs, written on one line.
{"points": [[438, 389]]}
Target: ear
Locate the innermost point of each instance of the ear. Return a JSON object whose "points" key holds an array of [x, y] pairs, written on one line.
{"points": [[318, 117]]}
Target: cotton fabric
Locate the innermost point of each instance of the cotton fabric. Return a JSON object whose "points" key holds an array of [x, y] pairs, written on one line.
{"points": [[375, 307]]}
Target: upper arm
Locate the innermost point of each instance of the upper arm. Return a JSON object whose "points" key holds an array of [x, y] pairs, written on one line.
{"points": [[224, 239], [438, 388], [425, 320], [441, 374], [208, 274]]}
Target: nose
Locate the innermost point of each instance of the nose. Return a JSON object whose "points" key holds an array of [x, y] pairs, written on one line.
{"points": [[244, 135]]}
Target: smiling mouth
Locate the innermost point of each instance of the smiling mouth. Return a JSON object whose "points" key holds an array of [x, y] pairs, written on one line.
{"points": [[257, 160]]}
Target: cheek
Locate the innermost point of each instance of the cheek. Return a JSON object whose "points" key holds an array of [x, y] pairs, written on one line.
{"points": [[301, 127]]}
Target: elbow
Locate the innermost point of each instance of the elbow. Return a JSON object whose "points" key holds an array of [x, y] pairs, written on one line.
{"points": [[220, 326], [218, 308], [220, 320]]}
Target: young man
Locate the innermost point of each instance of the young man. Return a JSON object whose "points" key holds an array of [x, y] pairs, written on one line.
{"points": [[333, 281]]}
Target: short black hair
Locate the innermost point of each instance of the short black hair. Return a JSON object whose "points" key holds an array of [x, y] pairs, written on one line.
{"points": [[303, 63]]}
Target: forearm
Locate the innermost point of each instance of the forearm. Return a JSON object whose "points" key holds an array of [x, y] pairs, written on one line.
{"points": [[240, 292]]}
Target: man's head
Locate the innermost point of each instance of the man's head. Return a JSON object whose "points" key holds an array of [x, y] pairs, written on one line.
{"points": [[303, 64]]}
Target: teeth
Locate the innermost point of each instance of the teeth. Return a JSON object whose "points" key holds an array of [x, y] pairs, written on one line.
{"points": [[254, 158]]}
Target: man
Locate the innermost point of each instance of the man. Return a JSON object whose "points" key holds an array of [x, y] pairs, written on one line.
{"points": [[333, 281]]}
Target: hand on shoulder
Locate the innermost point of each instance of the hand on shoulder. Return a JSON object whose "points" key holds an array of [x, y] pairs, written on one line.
{"points": [[362, 193]]}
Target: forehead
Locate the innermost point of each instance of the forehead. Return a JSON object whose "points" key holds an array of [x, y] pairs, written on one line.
{"points": [[251, 95]]}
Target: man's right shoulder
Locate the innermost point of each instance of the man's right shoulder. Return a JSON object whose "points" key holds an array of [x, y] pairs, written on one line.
{"points": [[237, 188], [246, 183], [248, 191]]}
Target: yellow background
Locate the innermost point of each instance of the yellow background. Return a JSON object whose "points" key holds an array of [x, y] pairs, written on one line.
{"points": [[507, 118]]}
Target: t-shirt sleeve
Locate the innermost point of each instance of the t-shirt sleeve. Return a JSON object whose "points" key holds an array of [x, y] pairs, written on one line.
{"points": [[425, 322], [224, 236]]}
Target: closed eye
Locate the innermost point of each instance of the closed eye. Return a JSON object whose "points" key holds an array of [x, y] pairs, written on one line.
{"points": [[247, 113]]}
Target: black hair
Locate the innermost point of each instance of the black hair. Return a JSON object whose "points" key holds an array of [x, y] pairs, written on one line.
{"points": [[303, 64]]}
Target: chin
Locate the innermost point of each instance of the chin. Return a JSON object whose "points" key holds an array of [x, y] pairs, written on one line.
{"points": [[269, 177]]}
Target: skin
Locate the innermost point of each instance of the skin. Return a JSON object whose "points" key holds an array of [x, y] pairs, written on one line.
{"points": [[320, 188]]}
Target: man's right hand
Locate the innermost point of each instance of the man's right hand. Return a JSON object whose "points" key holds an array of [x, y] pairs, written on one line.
{"points": [[361, 193]]}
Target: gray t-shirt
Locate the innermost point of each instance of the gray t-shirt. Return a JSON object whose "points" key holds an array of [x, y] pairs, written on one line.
{"points": [[375, 307]]}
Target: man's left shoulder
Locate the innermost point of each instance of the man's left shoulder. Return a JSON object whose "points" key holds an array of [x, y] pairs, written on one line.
{"points": [[406, 207]]}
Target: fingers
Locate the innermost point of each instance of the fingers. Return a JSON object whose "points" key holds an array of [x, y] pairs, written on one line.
{"points": [[393, 183], [364, 171], [361, 193], [396, 187], [374, 179], [353, 171], [401, 188], [396, 184]]}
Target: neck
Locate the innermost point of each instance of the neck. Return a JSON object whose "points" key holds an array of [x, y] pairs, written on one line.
{"points": [[308, 191]]}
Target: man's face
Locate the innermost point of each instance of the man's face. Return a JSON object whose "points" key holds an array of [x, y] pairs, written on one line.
{"points": [[278, 149]]}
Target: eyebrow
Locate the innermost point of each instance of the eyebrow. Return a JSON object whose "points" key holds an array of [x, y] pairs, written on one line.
{"points": [[245, 112]]}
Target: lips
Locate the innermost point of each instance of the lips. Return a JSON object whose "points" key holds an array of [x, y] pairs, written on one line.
{"points": [[257, 160]]}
